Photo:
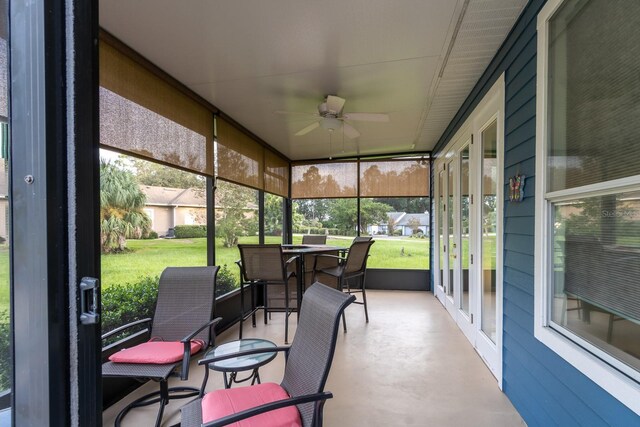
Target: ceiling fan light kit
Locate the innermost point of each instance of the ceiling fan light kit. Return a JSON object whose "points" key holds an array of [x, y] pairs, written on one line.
{"points": [[330, 123]]}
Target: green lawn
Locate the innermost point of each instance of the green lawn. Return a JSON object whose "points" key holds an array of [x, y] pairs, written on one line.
{"points": [[150, 257]]}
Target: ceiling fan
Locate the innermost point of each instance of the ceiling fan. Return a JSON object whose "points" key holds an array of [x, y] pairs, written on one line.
{"points": [[331, 117]]}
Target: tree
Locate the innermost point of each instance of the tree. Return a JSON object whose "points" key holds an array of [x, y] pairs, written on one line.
{"points": [[414, 224], [121, 204], [149, 173], [273, 215], [344, 216], [406, 204], [314, 211], [372, 212], [234, 214], [297, 218], [391, 226]]}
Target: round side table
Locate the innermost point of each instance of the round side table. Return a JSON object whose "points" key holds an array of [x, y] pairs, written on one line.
{"points": [[243, 363]]}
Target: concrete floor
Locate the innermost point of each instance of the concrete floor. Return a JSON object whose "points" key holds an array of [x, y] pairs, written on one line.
{"points": [[409, 366]]}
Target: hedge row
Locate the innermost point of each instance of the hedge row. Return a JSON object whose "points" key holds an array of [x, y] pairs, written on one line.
{"points": [[190, 231], [315, 230], [121, 304], [126, 303]]}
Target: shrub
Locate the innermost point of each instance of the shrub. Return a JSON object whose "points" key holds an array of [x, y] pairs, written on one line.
{"points": [[397, 232], [5, 351], [151, 235], [190, 231], [226, 281], [126, 303]]}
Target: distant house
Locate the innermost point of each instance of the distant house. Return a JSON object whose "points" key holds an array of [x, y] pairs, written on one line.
{"points": [[405, 222], [414, 221], [168, 207]]}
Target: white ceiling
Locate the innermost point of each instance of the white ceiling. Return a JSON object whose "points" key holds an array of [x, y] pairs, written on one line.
{"points": [[414, 59]]}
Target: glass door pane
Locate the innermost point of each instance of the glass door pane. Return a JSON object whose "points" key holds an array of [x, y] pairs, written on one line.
{"points": [[450, 217], [489, 213], [465, 200]]}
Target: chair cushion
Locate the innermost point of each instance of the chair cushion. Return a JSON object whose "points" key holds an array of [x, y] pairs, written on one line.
{"points": [[220, 403], [155, 352]]}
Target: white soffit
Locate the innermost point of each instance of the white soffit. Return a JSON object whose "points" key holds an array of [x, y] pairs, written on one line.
{"points": [[483, 28]]}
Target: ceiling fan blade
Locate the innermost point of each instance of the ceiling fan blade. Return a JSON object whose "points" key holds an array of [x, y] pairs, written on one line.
{"points": [[367, 117], [335, 104], [295, 113], [350, 132], [308, 129]]}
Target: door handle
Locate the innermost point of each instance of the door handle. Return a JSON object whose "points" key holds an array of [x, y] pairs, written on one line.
{"points": [[89, 310]]}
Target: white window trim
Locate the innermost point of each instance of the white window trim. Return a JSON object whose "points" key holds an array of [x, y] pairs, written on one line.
{"points": [[620, 386]]}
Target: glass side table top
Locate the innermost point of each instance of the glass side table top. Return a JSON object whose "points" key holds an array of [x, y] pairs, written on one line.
{"points": [[242, 363]]}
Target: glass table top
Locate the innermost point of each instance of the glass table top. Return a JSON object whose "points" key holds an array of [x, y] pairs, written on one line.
{"points": [[243, 362]]}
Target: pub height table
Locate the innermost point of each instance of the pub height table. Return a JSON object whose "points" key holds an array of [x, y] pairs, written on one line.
{"points": [[303, 252]]}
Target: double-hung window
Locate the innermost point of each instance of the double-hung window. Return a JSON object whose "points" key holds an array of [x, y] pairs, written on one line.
{"points": [[588, 190]]}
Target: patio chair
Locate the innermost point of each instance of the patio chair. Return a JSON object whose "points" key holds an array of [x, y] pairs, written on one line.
{"points": [[344, 251], [351, 267], [181, 327], [314, 239], [308, 361], [265, 265]]}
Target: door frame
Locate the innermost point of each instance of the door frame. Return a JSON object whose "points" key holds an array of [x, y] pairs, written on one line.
{"points": [[490, 108], [465, 320], [439, 261], [54, 191]]}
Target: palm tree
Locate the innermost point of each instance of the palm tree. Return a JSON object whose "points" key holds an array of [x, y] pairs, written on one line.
{"points": [[121, 203]]}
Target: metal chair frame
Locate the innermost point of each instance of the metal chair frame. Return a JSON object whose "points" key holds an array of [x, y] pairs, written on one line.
{"points": [[171, 329], [308, 361], [344, 275], [314, 239], [253, 280]]}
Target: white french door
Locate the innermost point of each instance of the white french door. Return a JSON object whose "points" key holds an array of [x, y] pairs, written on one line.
{"points": [[464, 232], [445, 288], [469, 211]]}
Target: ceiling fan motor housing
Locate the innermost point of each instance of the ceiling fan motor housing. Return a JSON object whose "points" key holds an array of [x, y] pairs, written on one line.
{"points": [[324, 111]]}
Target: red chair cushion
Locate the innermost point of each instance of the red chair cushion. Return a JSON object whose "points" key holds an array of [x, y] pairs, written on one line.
{"points": [[220, 403], [156, 352]]}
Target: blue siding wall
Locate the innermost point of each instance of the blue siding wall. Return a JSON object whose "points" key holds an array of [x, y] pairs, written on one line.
{"points": [[544, 388]]}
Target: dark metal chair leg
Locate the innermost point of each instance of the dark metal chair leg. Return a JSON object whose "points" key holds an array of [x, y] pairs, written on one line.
{"points": [[162, 396], [364, 297], [241, 309], [265, 302], [286, 312], [344, 322], [253, 304], [164, 399]]}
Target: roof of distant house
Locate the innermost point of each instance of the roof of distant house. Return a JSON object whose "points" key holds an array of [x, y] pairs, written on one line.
{"points": [[189, 197], [423, 219], [166, 196], [395, 216]]}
